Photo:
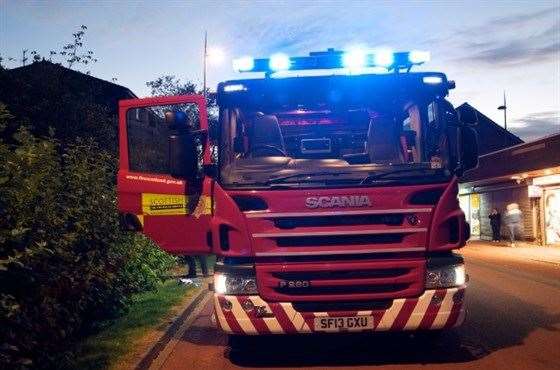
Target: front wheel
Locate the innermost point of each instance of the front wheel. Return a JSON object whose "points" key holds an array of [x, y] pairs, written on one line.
{"points": [[428, 336], [241, 342]]}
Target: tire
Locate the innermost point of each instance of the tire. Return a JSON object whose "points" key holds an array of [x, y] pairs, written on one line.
{"points": [[241, 342], [428, 336]]}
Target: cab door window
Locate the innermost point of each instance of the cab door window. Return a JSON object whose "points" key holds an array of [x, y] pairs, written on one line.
{"points": [[148, 133]]}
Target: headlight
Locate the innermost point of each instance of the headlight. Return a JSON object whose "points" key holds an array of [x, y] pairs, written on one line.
{"points": [[235, 285], [445, 276]]}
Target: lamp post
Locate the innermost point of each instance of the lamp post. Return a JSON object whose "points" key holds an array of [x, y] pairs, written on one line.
{"points": [[211, 55], [504, 108], [204, 63]]}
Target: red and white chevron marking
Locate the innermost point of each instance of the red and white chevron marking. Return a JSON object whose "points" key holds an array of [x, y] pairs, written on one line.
{"points": [[435, 309]]}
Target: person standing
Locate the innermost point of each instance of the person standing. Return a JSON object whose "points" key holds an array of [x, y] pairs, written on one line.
{"points": [[514, 222], [191, 265], [495, 222]]}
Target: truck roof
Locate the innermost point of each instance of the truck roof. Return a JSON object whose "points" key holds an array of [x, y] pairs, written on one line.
{"points": [[353, 87]]}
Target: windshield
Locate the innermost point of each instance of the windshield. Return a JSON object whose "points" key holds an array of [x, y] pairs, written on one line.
{"points": [[364, 145]]}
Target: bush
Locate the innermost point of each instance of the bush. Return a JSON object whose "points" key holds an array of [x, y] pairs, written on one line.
{"points": [[64, 263]]}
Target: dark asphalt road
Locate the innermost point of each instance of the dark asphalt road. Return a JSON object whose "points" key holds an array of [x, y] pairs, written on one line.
{"points": [[513, 323]]}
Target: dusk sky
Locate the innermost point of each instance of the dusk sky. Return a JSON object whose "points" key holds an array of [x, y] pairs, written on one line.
{"points": [[486, 47]]}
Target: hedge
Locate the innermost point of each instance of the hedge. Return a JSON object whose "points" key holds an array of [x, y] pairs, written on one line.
{"points": [[64, 263]]}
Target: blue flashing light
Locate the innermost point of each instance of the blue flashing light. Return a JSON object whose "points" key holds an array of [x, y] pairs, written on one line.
{"points": [[351, 59], [243, 64], [432, 80], [383, 58], [279, 62], [235, 87], [354, 59], [419, 57]]}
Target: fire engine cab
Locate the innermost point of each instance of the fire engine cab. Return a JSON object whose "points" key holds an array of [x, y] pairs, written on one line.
{"points": [[330, 199]]}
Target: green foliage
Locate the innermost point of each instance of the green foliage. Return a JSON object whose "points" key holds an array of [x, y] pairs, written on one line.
{"points": [[64, 263], [170, 85], [167, 85], [117, 337], [74, 51]]}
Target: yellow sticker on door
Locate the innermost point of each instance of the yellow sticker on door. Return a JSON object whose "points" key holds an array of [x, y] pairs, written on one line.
{"points": [[174, 204]]}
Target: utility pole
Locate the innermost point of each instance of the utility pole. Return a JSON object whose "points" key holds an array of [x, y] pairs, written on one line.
{"points": [[204, 62]]}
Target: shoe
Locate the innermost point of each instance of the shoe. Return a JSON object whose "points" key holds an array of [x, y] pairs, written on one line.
{"points": [[513, 245]]}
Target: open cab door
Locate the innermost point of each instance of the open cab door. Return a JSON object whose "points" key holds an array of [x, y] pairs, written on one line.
{"points": [[162, 190]]}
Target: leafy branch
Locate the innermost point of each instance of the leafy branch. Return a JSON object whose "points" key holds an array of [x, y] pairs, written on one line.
{"points": [[75, 52]]}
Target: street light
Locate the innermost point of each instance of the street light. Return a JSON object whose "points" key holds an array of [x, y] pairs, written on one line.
{"points": [[504, 108], [213, 55]]}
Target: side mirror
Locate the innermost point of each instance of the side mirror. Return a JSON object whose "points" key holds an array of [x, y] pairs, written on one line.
{"points": [[441, 114], [467, 115], [183, 155], [469, 149]]}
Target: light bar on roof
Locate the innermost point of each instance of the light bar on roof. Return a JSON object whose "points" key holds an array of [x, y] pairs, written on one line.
{"points": [[243, 64], [334, 59], [279, 62], [383, 58], [354, 58]]}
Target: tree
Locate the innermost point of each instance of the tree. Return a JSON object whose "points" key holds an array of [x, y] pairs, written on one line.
{"points": [[75, 51], [168, 85]]}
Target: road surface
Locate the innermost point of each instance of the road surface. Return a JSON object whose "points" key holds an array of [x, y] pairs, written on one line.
{"points": [[513, 323]]}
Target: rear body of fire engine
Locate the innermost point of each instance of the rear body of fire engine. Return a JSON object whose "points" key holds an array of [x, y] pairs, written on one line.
{"points": [[330, 201]]}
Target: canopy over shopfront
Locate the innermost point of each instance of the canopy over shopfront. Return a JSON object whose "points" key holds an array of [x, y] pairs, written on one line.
{"points": [[527, 174]]}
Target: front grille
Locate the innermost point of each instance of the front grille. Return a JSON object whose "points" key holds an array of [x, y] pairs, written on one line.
{"points": [[352, 289], [309, 241], [343, 274], [351, 220], [341, 281]]}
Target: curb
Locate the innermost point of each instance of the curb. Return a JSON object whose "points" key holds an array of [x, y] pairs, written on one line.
{"points": [[152, 354]]}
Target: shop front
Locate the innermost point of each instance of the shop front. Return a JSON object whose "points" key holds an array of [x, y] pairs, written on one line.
{"points": [[527, 175], [550, 186]]}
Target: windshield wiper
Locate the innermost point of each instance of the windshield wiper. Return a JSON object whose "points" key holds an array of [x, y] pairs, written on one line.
{"points": [[305, 174], [375, 176]]}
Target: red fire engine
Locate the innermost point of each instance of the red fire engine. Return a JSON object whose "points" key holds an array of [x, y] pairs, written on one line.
{"points": [[330, 200]]}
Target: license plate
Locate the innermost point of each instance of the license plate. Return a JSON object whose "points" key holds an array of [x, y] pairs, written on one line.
{"points": [[334, 324]]}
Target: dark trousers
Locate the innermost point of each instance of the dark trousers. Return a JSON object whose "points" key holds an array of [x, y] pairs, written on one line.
{"points": [[495, 232], [191, 263]]}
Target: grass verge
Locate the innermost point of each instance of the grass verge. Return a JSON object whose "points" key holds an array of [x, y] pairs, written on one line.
{"points": [[119, 337]]}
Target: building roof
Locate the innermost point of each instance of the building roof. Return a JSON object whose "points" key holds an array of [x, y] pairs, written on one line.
{"points": [[491, 136], [45, 64], [504, 164], [48, 97]]}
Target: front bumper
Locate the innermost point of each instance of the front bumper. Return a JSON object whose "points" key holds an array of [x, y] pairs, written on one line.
{"points": [[251, 315]]}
